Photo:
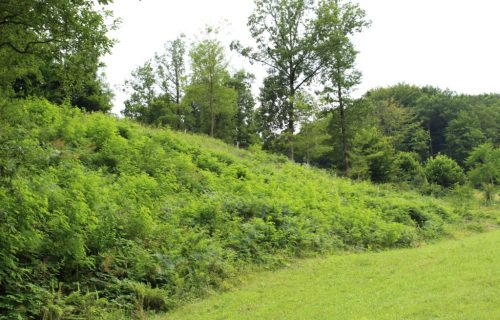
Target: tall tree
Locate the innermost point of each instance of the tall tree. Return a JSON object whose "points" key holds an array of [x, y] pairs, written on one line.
{"points": [[336, 23], [271, 116], [285, 36], [290, 37], [142, 90], [208, 90], [171, 68], [171, 76], [244, 118]]}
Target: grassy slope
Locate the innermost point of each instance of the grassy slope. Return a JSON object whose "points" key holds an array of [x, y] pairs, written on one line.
{"points": [[456, 279]]}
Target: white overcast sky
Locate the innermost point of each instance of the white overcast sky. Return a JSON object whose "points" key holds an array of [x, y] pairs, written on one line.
{"points": [[452, 44]]}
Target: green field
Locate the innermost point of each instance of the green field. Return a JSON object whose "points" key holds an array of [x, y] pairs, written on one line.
{"points": [[454, 279]]}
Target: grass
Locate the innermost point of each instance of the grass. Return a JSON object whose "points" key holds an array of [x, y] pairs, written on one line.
{"points": [[453, 279]]}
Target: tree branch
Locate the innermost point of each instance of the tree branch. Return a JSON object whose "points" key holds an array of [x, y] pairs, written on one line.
{"points": [[27, 47]]}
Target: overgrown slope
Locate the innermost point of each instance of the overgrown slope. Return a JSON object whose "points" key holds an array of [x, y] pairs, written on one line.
{"points": [[97, 212]]}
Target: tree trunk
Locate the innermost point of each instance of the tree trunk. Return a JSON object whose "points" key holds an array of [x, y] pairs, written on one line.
{"points": [[430, 138], [291, 120], [343, 131], [290, 130], [211, 107], [212, 124]]}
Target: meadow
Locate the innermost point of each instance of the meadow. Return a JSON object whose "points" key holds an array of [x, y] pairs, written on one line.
{"points": [[453, 279]]}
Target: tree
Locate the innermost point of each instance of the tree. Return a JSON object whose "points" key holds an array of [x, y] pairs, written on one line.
{"points": [[402, 125], [244, 118], [272, 112], [373, 156], [95, 95], [484, 164], [171, 74], [409, 169], [310, 142], [293, 38], [208, 90], [463, 134], [284, 33], [142, 90], [171, 68], [335, 24], [52, 48]]}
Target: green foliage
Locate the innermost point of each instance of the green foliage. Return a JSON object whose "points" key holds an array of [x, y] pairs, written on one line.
{"points": [[98, 213], [409, 169], [142, 93], [208, 91], [443, 171], [484, 164], [244, 119], [296, 40], [53, 50], [372, 156]]}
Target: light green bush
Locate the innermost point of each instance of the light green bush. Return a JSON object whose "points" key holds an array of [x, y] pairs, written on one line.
{"points": [[443, 171]]}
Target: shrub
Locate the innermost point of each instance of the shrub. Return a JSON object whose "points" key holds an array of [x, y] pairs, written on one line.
{"points": [[409, 169], [372, 156], [484, 164], [443, 171]]}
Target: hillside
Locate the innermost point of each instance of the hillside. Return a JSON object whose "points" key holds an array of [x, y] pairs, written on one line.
{"points": [[457, 279], [100, 214]]}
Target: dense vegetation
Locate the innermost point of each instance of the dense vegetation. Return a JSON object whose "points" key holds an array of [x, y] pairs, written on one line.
{"points": [[103, 212], [108, 218]]}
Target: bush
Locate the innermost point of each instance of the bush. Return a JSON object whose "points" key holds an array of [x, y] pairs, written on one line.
{"points": [[409, 169], [443, 171], [484, 164], [372, 156]]}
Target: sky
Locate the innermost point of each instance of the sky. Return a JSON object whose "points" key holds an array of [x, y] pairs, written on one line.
{"points": [[451, 44]]}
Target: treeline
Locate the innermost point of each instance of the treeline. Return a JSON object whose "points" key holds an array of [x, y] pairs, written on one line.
{"points": [[302, 44], [395, 134], [207, 100], [304, 107], [390, 127]]}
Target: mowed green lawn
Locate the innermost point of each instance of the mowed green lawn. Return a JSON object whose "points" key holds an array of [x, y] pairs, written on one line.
{"points": [[454, 279]]}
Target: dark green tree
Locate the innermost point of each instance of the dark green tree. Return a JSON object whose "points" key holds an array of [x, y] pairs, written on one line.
{"points": [[245, 125], [271, 115], [443, 171], [143, 91], [373, 156]]}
